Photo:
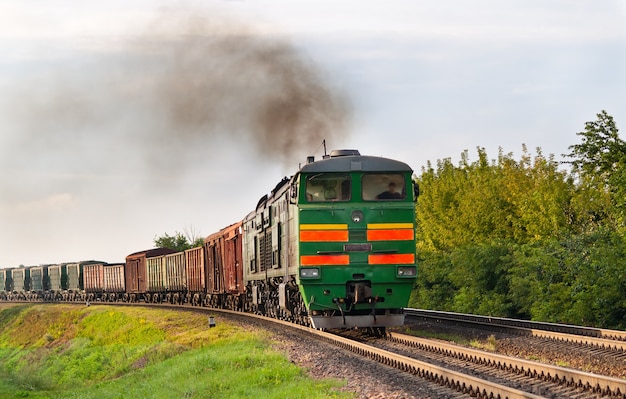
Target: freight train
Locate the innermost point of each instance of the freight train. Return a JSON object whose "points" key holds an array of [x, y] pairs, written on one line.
{"points": [[333, 246]]}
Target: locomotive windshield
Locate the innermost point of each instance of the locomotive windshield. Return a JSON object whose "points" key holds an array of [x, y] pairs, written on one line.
{"points": [[324, 187], [383, 186], [337, 187]]}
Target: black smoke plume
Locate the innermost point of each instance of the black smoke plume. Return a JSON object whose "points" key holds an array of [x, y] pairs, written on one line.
{"points": [[180, 89]]}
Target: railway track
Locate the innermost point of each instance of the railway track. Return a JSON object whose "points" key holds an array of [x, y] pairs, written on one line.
{"points": [[594, 337]]}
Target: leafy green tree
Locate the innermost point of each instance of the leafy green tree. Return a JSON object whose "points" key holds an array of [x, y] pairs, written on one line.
{"points": [[601, 149], [600, 163], [178, 242]]}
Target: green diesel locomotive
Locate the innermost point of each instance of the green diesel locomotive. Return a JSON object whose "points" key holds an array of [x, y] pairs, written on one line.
{"points": [[335, 243]]}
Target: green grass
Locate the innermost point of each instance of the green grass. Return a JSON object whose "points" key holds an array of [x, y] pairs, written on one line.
{"points": [[490, 344], [62, 351]]}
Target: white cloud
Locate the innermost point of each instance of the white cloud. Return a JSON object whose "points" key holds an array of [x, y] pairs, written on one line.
{"points": [[60, 202]]}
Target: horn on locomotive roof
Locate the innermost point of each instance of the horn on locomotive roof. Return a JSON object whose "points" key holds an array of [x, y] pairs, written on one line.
{"points": [[335, 154], [344, 153]]}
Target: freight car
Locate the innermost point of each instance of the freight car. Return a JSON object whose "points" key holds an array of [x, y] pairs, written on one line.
{"points": [[57, 281], [223, 254], [75, 275], [26, 283], [57, 277], [39, 280], [166, 278], [21, 284], [114, 282]]}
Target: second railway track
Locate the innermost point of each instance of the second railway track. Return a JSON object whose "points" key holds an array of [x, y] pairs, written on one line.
{"points": [[599, 337]]}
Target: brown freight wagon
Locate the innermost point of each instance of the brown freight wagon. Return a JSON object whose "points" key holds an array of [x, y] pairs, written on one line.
{"points": [[93, 278], [223, 254], [114, 282], [194, 267], [136, 273]]}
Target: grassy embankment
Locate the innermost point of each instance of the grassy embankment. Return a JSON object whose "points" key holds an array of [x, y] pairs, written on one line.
{"points": [[63, 351]]}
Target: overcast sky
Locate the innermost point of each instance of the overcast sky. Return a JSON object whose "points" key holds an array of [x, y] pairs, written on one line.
{"points": [[125, 120]]}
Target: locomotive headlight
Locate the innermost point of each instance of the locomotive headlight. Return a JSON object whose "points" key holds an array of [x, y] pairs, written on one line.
{"points": [[406, 271], [310, 272], [357, 216]]}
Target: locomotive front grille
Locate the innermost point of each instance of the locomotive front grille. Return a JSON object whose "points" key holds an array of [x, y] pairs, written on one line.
{"points": [[357, 248]]}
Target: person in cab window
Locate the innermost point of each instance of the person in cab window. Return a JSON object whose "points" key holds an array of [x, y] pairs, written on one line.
{"points": [[391, 193]]}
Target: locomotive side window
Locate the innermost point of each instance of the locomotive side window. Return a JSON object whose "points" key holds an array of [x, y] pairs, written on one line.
{"points": [[383, 186], [325, 187]]}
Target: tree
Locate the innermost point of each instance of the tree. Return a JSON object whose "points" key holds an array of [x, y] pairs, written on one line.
{"points": [[179, 242], [600, 163], [601, 149]]}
